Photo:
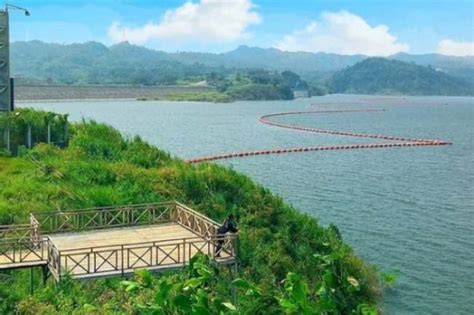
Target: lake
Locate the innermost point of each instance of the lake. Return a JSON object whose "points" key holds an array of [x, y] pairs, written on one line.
{"points": [[405, 209]]}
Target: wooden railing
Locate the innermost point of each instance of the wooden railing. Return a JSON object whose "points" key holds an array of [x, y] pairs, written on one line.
{"points": [[35, 232], [25, 244], [122, 259], [194, 221], [23, 251], [54, 262], [105, 217], [15, 231]]}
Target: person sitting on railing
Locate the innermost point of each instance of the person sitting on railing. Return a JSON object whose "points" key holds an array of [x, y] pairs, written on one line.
{"points": [[229, 225]]}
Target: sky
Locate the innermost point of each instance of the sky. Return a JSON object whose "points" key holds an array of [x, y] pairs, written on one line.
{"points": [[369, 27]]}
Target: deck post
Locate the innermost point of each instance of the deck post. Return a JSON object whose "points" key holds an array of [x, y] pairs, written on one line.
{"points": [[233, 274], [7, 139], [32, 290], [49, 133], [28, 137], [184, 252], [66, 133], [123, 260], [46, 274]]}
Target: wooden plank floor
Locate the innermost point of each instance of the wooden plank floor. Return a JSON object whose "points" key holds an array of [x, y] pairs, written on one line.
{"points": [[22, 256], [103, 253], [31, 261], [119, 236]]}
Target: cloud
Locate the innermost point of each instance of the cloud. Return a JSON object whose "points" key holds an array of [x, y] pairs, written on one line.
{"points": [[454, 48], [343, 33], [206, 20]]}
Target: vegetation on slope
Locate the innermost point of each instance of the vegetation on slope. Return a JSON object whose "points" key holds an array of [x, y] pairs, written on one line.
{"points": [[255, 85], [214, 97], [384, 76], [123, 63], [289, 263]]}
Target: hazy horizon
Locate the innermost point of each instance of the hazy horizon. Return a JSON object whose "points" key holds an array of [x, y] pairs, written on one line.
{"points": [[230, 50], [372, 28]]}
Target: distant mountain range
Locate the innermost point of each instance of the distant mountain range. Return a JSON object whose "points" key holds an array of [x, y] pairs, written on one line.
{"points": [[95, 63]]}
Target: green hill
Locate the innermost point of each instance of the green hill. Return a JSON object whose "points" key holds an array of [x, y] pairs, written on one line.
{"points": [[94, 63], [278, 244], [385, 76]]}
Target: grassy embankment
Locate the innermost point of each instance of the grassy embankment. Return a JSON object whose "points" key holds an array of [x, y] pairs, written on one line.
{"points": [[256, 85], [213, 97], [277, 242]]}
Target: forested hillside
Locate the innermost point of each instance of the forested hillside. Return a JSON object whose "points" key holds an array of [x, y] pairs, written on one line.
{"points": [[384, 76], [124, 63], [93, 63]]}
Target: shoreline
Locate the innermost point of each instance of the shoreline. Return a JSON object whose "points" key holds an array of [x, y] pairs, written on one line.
{"points": [[74, 100]]}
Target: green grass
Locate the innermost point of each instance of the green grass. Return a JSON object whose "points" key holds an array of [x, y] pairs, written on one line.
{"points": [[102, 168], [214, 97]]}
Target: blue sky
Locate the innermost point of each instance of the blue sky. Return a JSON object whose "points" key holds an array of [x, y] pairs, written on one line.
{"points": [[359, 26]]}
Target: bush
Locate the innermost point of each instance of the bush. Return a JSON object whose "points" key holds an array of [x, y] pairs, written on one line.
{"points": [[101, 168]]}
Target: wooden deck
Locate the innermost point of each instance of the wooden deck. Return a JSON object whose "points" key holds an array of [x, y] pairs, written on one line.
{"points": [[118, 236], [114, 241]]}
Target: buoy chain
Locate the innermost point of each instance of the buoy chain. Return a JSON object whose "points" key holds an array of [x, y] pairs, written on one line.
{"points": [[403, 142]]}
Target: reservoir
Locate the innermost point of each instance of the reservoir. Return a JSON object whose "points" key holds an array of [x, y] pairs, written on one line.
{"points": [[408, 210]]}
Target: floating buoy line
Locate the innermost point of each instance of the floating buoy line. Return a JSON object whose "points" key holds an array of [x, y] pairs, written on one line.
{"points": [[265, 119]]}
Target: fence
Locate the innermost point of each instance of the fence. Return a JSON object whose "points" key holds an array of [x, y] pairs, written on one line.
{"points": [[25, 245], [194, 221], [104, 217], [25, 128], [15, 231], [122, 259], [22, 251]]}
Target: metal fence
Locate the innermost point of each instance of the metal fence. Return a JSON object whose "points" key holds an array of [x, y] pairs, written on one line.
{"points": [[24, 128]]}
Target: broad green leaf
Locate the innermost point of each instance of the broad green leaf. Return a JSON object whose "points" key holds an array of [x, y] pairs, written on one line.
{"points": [[161, 297], [230, 306], [353, 281], [193, 283]]}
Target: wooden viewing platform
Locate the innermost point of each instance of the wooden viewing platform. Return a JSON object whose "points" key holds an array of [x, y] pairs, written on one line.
{"points": [[112, 241]]}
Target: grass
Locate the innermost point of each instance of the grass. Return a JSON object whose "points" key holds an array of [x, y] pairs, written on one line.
{"points": [[101, 168], [214, 97]]}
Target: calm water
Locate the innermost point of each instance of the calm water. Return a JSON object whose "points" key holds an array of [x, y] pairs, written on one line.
{"points": [[405, 209]]}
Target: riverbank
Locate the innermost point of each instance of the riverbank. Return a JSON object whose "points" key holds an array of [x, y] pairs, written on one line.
{"points": [[32, 93], [212, 97], [277, 242], [176, 93]]}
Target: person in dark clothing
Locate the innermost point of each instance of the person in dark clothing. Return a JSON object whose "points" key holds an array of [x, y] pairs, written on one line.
{"points": [[229, 225]]}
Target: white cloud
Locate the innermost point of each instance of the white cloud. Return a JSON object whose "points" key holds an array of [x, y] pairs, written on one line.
{"points": [[207, 20], [344, 33], [454, 48]]}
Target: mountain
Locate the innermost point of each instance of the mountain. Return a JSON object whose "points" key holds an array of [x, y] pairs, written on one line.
{"points": [[462, 67], [388, 76], [271, 59], [95, 63]]}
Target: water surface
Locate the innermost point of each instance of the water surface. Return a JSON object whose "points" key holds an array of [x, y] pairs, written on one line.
{"points": [[405, 209]]}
